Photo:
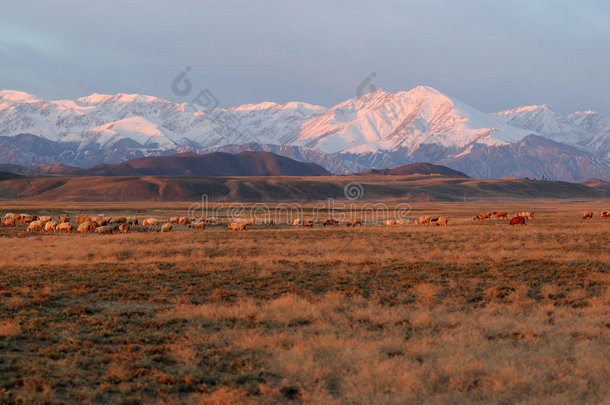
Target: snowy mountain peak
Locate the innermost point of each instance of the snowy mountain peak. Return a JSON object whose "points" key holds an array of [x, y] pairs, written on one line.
{"points": [[293, 105], [17, 96], [524, 108], [97, 98], [426, 91]]}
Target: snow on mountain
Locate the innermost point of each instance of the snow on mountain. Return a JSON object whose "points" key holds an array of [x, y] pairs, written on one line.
{"points": [[586, 130], [377, 130], [136, 128], [387, 121]]}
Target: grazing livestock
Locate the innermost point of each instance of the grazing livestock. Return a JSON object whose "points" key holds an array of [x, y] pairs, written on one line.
{"points": [[132, 221], [85, 227], [64, 227], [50, 226], [296, 222], [331, 222], [243, 221], [184, 220], [518, 220], [11, 216], [106, 229], [403, 222], [81, 219], [526, 214], [354, 222], [123, 228], [9, 222], [150, 222], [442, 221], [44, 218], [26, 218], [63, 218], [308, 224], [587, 215], [166, 227], [481, 217], [499, 215], [117, 220], [197, 225], [423, 220], [604, 214], [99, 221], [173, 220], [238, 227], [390, 222], [35, 226]]}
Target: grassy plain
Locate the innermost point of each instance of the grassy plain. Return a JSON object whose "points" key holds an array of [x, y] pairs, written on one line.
{"points": [[478, 312]]}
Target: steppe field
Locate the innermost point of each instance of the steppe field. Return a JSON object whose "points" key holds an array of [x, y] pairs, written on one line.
{"points": [[475, 312]]}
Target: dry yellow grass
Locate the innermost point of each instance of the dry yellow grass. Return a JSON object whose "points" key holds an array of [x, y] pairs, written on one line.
{"points": [[475, 312]]}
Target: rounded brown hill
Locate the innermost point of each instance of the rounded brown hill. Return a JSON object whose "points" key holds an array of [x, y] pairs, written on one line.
{"points": [[210, 165], [427, 169]]}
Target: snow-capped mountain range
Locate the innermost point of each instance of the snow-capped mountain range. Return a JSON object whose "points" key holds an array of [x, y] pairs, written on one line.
{"points": [[377, 130]]}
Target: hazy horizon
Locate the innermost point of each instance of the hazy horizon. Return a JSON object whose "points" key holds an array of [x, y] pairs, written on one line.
{"points": [[490, 56]]}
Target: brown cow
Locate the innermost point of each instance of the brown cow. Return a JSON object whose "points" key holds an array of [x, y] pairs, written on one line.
{"points": [[9, 222], [499, 215], [604, 214], [308, 224], [166, 227], [124, 228], [587, 215], [442, 221], [354, 222], [184, 220], [174, 220], [518, 220]]}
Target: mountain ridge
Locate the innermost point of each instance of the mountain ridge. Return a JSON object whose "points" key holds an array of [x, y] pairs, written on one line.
{"points": [[216, 164], [376, 130]]}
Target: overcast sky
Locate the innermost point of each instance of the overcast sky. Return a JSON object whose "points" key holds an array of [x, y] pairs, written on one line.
{"points": [[491, 54]]}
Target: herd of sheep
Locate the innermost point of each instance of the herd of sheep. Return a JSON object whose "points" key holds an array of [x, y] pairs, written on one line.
{"points": [[86, 223], [103, 224]]}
